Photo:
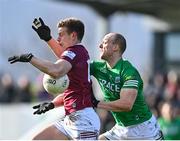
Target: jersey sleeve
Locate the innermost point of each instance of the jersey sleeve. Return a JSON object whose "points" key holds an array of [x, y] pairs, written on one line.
{"points": [[70, 56], [131, 78]]}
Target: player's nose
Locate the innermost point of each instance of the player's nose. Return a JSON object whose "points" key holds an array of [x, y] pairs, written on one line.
{"points": [[59, 39], [100, 46]]}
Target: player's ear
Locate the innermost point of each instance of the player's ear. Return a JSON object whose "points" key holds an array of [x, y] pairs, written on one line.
{"points": [[74, 34], [116, 47]]}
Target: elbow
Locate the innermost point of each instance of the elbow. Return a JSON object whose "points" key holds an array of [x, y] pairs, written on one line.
{"points": [[55, 74], [128, 107], [125, 108], [122, 108]]}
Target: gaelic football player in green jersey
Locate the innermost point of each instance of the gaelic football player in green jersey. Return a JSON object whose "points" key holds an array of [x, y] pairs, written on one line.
{"points": [[122, 87]]}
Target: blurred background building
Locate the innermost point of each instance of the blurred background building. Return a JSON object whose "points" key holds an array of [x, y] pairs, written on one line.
{"points": [[152, 31]]}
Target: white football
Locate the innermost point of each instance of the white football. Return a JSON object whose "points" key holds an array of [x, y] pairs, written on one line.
{"points": [[55, 86]]}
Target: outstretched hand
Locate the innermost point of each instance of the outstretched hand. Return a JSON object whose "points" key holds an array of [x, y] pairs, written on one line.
{"points": [[41, 29], [43, 107], [20, 58]]}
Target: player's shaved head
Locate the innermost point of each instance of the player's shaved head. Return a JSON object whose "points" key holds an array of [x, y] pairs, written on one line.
{"points": [[119, 40]]}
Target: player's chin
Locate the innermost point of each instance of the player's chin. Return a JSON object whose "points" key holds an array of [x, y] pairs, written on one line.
{"points": [[102, 56], [60, 44]]}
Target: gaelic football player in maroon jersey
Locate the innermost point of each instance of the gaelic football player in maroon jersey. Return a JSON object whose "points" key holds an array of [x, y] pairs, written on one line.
{"points": [[81, 121]]}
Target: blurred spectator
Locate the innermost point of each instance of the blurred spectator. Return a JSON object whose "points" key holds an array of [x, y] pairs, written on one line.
{"points": [[178, 93], [154, 92], [170, 120], [8, 91], [171, 85], [24, 90]]}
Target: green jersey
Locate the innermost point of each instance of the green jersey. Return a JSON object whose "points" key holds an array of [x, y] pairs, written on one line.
{"points": [[170, 129], [112, 80]]}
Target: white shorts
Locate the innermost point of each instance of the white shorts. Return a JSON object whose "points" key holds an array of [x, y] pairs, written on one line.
{"points": [[80, 125], [148, 130]]}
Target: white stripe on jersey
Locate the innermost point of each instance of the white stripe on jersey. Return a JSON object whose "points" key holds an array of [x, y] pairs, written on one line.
{"points": [[69, 54], [131, 83]]}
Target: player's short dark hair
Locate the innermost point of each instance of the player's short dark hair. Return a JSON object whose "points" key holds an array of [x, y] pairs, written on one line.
{"points": [[73, 24], [121, 41]]}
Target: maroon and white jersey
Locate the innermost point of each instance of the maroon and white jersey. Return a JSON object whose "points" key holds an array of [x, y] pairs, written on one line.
{"points": [[78, 94]]}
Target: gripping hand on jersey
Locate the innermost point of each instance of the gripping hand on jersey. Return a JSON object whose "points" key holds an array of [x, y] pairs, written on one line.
{"points": [[43, 107], [41, 29], [20, 58]]}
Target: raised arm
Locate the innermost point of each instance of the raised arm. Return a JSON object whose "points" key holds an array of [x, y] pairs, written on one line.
{"points": [[44, 33], [56, 70]]}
